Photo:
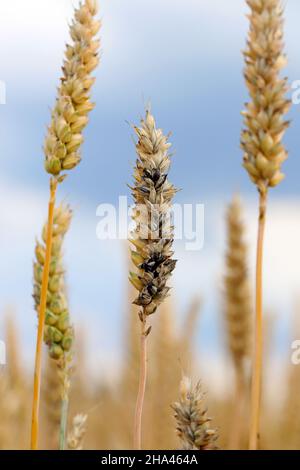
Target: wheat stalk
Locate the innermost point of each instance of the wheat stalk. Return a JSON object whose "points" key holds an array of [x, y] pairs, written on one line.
{"points": [[13, 388], [238, 311], [152, 238], [193, 425], [62, 144], [261, 142], [188, 331]]}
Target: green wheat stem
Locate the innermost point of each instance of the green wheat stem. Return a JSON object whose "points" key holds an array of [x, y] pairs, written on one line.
{"points": [[63, 423]]}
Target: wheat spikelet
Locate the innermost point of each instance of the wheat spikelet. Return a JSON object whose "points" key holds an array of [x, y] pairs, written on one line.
{"points": [[261, 140], [238, 305], [193, 425], [70, 114], [77, 432]]}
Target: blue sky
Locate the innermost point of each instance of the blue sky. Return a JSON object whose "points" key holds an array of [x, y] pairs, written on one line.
{"points": [[185, 57]]}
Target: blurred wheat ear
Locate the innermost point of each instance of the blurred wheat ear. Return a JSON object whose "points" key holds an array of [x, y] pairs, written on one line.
{"points": [[152, 238], [77, 432], [261, 141], [238, 313], [62, 144], [193, 424]]}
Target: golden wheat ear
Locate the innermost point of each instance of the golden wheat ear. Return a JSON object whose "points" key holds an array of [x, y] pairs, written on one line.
{"points": [[61, 149], [261, 141], [73, 104]]}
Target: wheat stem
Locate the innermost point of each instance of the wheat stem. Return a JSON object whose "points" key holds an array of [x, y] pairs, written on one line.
{"points": [[238, 417], [142, 387], [63, 423], [258, 345], [41, 321]]}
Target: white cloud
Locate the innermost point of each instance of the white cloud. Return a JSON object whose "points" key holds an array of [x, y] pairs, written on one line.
{"points": [[33, 34], [138, 38]]}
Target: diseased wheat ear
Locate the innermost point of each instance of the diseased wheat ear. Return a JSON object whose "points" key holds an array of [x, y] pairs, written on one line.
{"points": [[58, 333], [153, 236], [193, 424], [70, 114], [261, 140]]}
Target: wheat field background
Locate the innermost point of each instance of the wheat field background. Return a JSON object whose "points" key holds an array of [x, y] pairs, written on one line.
{"points": [[184, 57]]}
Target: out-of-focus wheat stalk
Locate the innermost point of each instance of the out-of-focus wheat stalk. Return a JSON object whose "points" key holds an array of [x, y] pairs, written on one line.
{"points": [[238, 312], [64, 138], [290, 424], [51, 410], [152, 239], [77, 432], [188, 331], [58, 332], [129, 383], [261, 142], [164, 375], [193, 424], [13, 389]]}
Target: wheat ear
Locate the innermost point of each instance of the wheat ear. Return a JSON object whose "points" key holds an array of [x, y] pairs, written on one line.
{"points": [[193, 425], [152, 239], [238, 312], [77, 432], [261, 142], [62, 144], [58, 333]]}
